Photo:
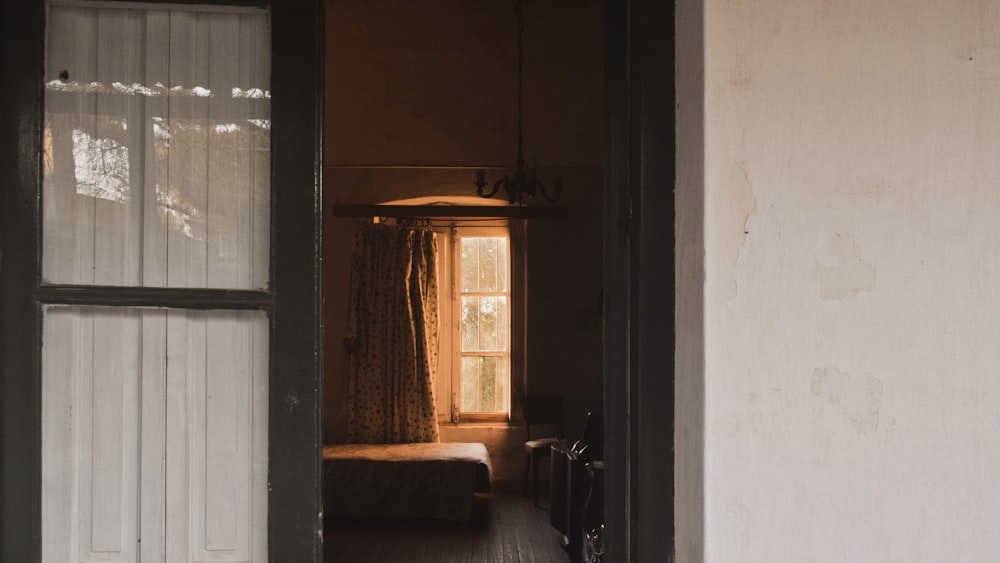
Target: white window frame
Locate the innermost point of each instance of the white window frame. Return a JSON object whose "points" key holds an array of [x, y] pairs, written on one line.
{"points": [[448, 383]]}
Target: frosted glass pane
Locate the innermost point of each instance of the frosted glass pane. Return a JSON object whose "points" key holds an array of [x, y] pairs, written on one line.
{"points": [[484, 384], [484, 324], [157, 147], [484, 264]]}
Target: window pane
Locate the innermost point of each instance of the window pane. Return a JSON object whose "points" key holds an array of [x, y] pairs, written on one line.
{"points": [[484, 384], [484, 264], [484, 324], [157, 133]]}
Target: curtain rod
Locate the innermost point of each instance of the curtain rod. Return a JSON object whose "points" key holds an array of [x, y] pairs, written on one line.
{"points": [[486, 211], [446, 167], [417, 166]]}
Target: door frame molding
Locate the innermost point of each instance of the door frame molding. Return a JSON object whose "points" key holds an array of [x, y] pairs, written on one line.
{"points": [[295, 499], [639, 280], [20, 328]]}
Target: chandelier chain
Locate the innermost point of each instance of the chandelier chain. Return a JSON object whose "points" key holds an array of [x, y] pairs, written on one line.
{"points": [[522, 183], [519, 11]]}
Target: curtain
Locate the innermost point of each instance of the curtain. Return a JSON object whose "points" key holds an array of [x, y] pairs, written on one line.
{"points": [[392, 335]]}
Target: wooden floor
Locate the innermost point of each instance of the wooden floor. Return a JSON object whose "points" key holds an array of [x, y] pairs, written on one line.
{"points": [[504, 528]]}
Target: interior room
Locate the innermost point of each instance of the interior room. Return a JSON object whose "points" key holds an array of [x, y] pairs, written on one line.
{"points": [[419, 98]]}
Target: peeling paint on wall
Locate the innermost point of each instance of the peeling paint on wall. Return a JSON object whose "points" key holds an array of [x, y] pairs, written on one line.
{"points": [[858, 398], [841, 273]]}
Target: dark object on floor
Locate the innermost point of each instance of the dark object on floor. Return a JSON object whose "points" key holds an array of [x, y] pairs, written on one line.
{"points": [[540, 411], [571, 484], [593, 515]]}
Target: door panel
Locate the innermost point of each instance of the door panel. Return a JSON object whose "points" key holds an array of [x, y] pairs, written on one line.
{"points": [[91, 434], [216, 439], [191, 466]]}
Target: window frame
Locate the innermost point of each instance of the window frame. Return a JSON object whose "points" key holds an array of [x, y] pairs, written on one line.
{"points": [[458, 234], [449, 360]]}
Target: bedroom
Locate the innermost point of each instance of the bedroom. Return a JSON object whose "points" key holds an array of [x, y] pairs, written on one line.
{"points": [[417, 99]]}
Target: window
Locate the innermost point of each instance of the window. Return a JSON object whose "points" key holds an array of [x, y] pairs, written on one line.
{"points": [[483, 322], [479, 294]]}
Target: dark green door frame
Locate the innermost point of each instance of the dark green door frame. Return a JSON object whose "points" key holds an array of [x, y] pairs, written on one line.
{"points": [[295, 421], [639, 243]]}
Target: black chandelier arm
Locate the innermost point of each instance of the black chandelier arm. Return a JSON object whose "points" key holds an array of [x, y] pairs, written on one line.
{"points": [[481, 184]]}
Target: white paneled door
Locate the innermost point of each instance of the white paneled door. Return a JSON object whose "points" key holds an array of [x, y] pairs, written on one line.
{"points": [[155, 175], [154, 435]]}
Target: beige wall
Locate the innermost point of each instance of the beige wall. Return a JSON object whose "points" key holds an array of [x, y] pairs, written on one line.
{"points": [[418, 96], [850, 187]]}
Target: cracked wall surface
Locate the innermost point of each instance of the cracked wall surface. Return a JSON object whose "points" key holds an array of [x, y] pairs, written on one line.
{"points": [[850, 315]]}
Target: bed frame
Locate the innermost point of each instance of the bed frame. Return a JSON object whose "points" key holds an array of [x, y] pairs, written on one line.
{"points": [[401, 481]]}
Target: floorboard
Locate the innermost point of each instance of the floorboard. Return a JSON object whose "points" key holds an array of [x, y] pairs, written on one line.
{"points": [[504, 528]]}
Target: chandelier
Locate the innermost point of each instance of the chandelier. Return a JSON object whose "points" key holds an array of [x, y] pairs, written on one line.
{"points": [[523, 182]]}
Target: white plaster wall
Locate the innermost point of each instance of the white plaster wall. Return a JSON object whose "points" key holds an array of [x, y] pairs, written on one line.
{"points": [[852, 281]]}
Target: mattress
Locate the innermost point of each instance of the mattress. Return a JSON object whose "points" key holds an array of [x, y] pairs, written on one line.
{"points": [[402, 481]]}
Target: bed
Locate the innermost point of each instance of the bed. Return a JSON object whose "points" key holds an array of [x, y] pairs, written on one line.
{"points": [[401, 481]]}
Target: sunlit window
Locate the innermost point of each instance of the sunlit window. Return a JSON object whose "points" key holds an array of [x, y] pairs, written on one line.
{"points": [[479, 299], [484, 320]]}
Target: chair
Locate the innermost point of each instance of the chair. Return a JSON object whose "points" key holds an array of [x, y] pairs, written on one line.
{"points": [[539, 411]]}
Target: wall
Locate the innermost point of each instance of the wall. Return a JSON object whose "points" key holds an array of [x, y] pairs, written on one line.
{"points": [[850, 304], [419, 95]]}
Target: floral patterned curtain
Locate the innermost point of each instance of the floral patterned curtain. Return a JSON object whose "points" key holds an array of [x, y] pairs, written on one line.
{"points": [[392, 335]]}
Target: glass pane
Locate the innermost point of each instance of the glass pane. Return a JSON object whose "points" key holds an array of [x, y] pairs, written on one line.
{"points": [[484, 264], [484, 384], [157, 142], [484, 324]]}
